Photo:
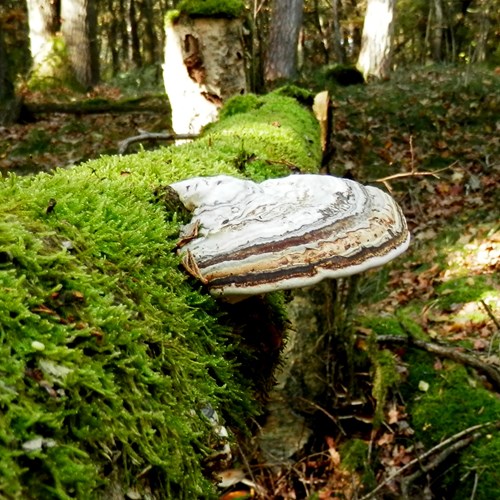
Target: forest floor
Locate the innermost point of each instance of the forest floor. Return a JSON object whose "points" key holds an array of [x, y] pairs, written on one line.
{"points": [[50, 140], [431, 137], [440, 128]]}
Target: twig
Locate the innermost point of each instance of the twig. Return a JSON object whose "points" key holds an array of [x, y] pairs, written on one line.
{"points": [[322, 410], [474, 487], [412, 173], [449, 442], [151, 136], [490, 314], [435, 462]]}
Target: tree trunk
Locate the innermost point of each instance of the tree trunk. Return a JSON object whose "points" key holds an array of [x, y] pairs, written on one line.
{"points": [[204, 66], [286, 20], [63, 43], [78, 29], [150, 44], [317, 372], [112, 41], [375, 56], [134, 35], [337, 35], [8, 104], [122, 26], [43, 25], [437, 32]]}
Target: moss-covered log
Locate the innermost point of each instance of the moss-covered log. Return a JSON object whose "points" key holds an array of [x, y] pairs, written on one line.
{"points": [[108, 351]]}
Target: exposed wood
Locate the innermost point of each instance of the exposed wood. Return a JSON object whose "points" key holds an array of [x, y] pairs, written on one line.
{"points": [[204, 66], [321, 109]]}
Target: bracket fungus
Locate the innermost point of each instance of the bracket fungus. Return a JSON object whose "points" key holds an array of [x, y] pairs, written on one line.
{"points": [[248, 238]]}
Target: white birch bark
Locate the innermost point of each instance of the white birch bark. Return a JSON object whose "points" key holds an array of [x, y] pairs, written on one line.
{"points": [[375, 57]]}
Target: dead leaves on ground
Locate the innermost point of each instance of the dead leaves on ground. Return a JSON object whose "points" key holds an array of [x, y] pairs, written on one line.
{"points": [[60, 140]]}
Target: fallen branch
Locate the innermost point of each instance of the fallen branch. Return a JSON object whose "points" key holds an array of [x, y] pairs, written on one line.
{"points": [[437, 461], [447, 352], [151, 136], [489, 312], [139, 105], [449, 446]]}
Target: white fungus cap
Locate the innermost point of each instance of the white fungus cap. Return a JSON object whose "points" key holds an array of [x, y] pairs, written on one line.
{"points": [[286, 233]]}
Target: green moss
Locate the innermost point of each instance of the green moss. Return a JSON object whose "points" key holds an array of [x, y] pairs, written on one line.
{"points": [[240, 104], [462, 290], [109, 351], [106, 348], [384, 378], [382, 325], [37, 141], [452, 391], [302, 95], [55, 70], [212, 8], [354, 454], [454, 401], [275, 138], [171, 16]]}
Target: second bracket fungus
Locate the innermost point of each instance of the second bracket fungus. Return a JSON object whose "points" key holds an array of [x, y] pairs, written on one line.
{"points": [[247, 238]]}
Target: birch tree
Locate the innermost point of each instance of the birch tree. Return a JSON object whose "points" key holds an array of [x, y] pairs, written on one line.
{"points": [[375, 57], [63, 41], [78, 28]]}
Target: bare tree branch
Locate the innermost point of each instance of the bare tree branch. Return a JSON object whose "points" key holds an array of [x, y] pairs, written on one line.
{"points": [[449, 446]]}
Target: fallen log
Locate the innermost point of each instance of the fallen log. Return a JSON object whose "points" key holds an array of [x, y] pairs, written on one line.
{"points": [[97, 106], [111, 354]]}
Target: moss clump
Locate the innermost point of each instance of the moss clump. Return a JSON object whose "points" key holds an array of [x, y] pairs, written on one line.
{"points": [[385, 377], [273, 139], [109, 351], [240, 104], [455, 401], [212, 8], [172, 16], [382, 325], [463, 289], [55, 70], [452, 392], [302, 95], [354, 454], [343, 75]]}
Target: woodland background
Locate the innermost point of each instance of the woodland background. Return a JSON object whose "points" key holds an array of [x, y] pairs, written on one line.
{"points": [[421, 419]]}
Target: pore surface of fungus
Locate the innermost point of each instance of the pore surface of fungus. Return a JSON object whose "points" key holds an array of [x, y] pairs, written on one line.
{"points": [[248, 238]]}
